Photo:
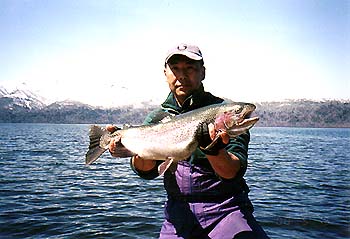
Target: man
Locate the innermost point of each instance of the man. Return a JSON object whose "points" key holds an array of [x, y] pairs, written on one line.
{"points": [[207, 195]]}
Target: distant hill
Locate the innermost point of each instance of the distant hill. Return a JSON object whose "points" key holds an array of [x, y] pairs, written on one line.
{"points": [[304, 113], [22, 106], [67, 112]]}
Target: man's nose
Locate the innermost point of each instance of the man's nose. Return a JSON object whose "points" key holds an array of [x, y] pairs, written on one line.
{"points": [[181, 75]]}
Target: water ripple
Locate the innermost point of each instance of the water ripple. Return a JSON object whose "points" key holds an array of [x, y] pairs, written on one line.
{"points": [[298, 180]]}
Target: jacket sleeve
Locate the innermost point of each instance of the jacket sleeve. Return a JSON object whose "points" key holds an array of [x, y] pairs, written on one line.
{"points": [[151, 174], [239, 147]]}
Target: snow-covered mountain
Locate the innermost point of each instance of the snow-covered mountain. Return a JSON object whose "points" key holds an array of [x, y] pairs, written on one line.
{"points": [[68, 104], [3, 91], [22, 105], [20, 98]]}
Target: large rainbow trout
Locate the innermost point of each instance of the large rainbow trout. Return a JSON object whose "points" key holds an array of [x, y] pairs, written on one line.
{"points": [[174, 138]]}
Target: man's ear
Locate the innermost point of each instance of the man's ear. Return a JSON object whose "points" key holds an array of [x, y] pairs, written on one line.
{"points": [[165, 69], [166, 66], [203, 73]]}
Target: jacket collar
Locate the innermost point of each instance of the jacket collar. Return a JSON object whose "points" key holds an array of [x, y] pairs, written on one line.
{"points": [[192, 102]]}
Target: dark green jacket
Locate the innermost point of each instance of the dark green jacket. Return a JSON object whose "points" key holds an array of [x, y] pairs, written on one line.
{"points": [[198, 160]]}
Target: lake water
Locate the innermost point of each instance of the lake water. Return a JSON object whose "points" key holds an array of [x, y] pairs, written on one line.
{"points": [[299, 181]]}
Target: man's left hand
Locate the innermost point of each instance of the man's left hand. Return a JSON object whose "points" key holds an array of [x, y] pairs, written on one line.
{"points": [[207, 134]]}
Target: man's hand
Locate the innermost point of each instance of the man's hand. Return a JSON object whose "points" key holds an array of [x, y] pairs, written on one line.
{"points": [[207, 134], [224, 136], [112, 144], [137, 161]]}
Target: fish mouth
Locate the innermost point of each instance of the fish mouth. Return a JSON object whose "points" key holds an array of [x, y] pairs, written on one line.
{"points": [[242, 126], [248, 120]]}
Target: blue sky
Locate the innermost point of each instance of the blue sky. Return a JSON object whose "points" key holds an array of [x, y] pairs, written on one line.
{"points": [[111, 52]]}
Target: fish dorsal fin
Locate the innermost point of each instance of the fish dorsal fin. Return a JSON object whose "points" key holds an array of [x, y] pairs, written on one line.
{"points": [[127, 126], [166, 119], [162, 117]]}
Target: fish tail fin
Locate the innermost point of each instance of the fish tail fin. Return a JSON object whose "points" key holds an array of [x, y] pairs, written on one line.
{"points": [[95, 149]]}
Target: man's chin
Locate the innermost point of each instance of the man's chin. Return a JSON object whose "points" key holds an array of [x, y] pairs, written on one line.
{"points": [[185, 90], [183, 93]]}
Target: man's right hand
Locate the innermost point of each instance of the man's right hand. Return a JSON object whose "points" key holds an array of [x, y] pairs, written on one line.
{"points": [[112, 145], [138, 162]]}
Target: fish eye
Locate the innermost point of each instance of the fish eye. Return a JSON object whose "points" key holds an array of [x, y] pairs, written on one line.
{"points": [[238, 109]]}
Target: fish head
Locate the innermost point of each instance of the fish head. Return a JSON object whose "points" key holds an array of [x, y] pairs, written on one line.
{"points": [[235, 118]]}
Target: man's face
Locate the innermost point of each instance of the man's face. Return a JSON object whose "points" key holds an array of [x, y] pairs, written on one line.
{"points": [[184, 76]]}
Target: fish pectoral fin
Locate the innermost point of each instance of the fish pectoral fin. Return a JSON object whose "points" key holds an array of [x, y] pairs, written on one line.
{"points": [[213, 142], [173, 167], [163, 167]]}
